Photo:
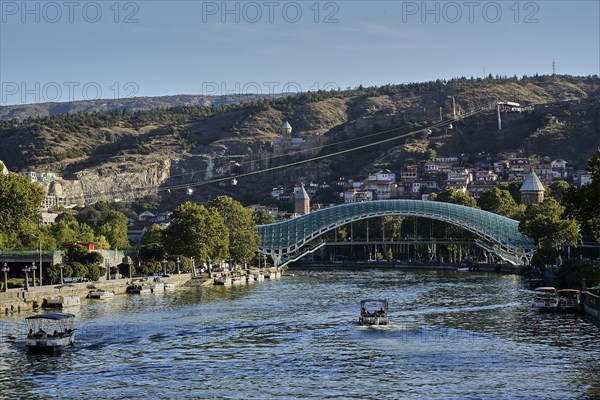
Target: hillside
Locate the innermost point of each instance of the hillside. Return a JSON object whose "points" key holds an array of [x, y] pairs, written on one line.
{"points": [[24, 111], [126, 154]]}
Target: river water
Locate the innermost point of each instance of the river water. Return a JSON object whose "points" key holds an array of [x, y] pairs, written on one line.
{"points": [[453, 335]]}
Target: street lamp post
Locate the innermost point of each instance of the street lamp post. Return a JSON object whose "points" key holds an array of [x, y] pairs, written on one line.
{"points": [[130, 268], [26, 269], [33, 268], [61, 266], [178, 265], [5, 269], [165, 267], [41, 265], [107, 270]]}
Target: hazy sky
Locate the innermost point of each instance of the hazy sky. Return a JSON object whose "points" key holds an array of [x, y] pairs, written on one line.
{"points": [[66, 50]]}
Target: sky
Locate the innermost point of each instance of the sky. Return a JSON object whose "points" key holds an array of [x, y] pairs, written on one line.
{"points": [[72, 50]]}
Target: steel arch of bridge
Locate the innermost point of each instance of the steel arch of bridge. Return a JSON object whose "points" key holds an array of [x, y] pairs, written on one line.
{"points": [[283, 240]]}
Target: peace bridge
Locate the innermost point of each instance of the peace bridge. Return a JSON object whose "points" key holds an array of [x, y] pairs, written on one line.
{"points": [[290, 240]]}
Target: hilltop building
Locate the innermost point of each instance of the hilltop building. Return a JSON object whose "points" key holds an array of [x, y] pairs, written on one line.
{"points": [[286, 142], [532, 191], [309, 145]]}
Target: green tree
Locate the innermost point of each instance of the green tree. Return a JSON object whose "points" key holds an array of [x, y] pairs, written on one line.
{"points": [[95, 271], [544, 223], [53, 272], [79, 270], [148, 202], [557, 189], [243, 238], [114, 229], [429, 154], [152, 244], [453, 196], [328, 195], [514, 188], [102, 243], [262, 217], [68, 230], [583, 202], [571, 274], [391, 226], [151, 267], [498, 201], [197, 232], [19, 207]]}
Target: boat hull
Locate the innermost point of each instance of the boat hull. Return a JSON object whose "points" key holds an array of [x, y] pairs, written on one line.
{"points": [[101, 295], [373, 320], [544, 305], [62, 301], [47, 345]]}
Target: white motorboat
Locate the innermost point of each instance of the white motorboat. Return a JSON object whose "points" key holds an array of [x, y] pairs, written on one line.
{"points": [[374, 312], [169, 286], [568, 300], [62, 301], [545, 299], [101, 294], [139, 289], [61, 325]]}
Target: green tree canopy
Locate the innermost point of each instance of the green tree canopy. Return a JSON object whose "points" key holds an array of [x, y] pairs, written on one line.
{"points": [[197, 232], [571, 274], [152, 244], [514, 188], [68, 230], [544, 222], [20, 202], [429, 154], [453, 196], [262, 217], [243, 238], [557, 189], [498, 201], [583, 202], [114, 229]]}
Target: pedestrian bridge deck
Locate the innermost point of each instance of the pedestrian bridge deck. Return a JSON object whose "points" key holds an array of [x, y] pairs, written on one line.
{"points": [[281, 240]]}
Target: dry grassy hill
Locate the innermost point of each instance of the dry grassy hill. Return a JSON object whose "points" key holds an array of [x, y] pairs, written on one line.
{"points": [[159, 147]]}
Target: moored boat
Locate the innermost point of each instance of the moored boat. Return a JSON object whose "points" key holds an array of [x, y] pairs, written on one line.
{"points": [[568, 300], [138, 289], [374, 312], [169, 286], [101, 294], [62, 301], [545, 299], [63, 335]]}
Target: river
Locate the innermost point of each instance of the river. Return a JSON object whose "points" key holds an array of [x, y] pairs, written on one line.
{"points": [[453, 335]]}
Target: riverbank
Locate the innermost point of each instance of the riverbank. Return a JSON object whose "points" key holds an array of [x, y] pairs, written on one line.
{"points": [[16, 300]]}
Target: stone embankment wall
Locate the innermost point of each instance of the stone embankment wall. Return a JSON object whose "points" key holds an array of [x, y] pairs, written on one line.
{"points": [[21, 299], [591, 306]]}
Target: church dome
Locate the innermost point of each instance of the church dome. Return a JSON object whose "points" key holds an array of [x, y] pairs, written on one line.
{"points": [[532, 183], [286, 128]]}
